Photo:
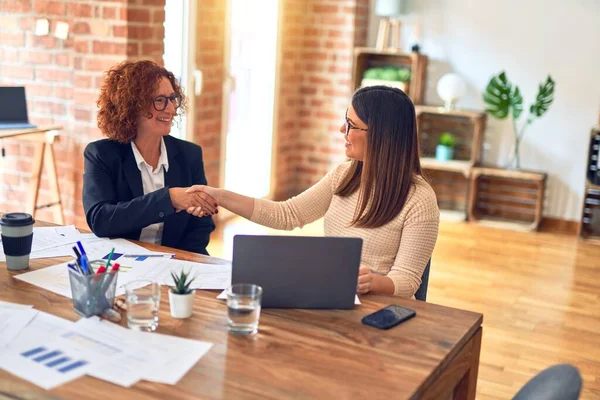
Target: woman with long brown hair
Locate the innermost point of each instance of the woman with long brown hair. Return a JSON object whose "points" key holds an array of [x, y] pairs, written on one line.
{"points": [[379, 196], [135, 180]]}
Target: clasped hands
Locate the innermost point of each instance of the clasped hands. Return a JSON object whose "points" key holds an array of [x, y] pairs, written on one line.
{"points": [[198, 200]]}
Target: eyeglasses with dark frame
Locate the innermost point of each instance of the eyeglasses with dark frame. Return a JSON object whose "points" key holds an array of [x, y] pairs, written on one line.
{"points": [[349, 126], [161, 102]]}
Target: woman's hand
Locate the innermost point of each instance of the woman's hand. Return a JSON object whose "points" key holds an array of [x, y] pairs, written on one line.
{"points": [[365, 280], [203, 190], [182, 199]]}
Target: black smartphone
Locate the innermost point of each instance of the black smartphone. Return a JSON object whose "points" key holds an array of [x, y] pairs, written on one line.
{"points": [[388, 317]]}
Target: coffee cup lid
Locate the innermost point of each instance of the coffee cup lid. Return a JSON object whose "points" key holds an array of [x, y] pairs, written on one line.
{"points": [[16, 219]]}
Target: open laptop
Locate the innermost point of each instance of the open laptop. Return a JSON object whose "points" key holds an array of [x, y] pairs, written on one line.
{"points": [[297, 271], [13, 108]]}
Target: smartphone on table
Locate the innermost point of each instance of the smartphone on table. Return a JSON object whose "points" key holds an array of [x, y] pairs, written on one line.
{"points": [[388, 317]]}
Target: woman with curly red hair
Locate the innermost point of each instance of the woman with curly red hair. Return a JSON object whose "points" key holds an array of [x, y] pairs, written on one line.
{"points": [[135, 181]]}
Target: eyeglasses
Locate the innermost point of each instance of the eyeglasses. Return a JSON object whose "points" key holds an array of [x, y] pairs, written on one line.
{"points": [[161, 102], [349, 126]]}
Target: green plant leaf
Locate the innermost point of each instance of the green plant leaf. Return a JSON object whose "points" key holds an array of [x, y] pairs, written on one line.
{"points": [[516, 102], [502, 98], [544, 98]]}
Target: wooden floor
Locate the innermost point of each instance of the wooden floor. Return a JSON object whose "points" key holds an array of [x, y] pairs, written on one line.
{"points": [[539, 293]]}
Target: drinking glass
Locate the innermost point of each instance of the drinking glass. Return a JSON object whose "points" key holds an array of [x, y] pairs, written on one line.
{"points": [[243, 308], [143, 301]]}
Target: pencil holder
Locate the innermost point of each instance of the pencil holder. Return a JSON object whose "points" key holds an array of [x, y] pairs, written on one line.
{"points": [[93, 294]]}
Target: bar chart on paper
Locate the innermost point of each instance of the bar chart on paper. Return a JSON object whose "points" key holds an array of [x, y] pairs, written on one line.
{"points": [[53, 359]]}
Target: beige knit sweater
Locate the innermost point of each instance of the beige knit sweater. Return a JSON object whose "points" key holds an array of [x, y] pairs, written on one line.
{"points": [[400, 249]]}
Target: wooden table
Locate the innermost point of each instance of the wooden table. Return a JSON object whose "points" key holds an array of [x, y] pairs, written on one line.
{"points": [[44, 137], [296, 354]]}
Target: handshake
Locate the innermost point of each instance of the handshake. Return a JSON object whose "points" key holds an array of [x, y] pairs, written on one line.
{"points": [[198, 200]]}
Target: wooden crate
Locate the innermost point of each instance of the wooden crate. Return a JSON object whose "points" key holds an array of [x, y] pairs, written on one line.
{"points": [[506, 198], [365, 58], [590, 220], [451, 189], [467, 126]]}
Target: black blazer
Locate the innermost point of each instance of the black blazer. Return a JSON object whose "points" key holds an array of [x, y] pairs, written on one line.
{"points": [[115, 204]]}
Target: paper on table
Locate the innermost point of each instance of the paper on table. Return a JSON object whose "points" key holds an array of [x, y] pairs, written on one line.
{"points": [[33, 357], [56, 278], [208, 276], [13, 321], [5, 304], [152, 356], [223, 296]]}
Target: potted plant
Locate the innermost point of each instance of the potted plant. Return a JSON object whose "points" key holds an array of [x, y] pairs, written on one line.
{"points": [[181, 297], [505, 100], [445, 148], [387, 76]]}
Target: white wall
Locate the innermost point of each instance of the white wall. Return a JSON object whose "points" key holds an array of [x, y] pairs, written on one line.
{"points": [[478, 38]]}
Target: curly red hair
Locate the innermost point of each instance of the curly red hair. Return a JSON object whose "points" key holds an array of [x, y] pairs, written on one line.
{"points": [[127, 93]]}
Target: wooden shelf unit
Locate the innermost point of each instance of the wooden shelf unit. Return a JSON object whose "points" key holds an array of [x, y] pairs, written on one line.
{"points": [[451, 190], [467, 126], [511, 199], [365, 58]]}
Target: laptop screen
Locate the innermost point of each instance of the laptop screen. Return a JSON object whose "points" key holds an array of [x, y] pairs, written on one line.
{"points": [[13, 107]]}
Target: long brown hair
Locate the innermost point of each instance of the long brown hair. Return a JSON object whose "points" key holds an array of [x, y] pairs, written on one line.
{"points": [[391, 162]]}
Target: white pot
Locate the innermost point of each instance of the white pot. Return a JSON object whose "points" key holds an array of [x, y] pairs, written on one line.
{"points": [[182, 305], [374, 82]]}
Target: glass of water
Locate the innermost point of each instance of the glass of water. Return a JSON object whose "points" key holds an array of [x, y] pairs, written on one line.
{"points": [[143, 301], [243, 308]]}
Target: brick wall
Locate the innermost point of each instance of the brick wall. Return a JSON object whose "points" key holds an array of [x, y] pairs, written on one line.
{"points": [[318, 41], [62, 80], [210, 39]]}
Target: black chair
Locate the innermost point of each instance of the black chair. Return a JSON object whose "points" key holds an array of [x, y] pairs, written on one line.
{"points": [[421, 293], [559, 382]]}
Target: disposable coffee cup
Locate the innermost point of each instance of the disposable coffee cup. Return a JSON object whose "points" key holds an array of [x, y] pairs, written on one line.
{"points": [[17, 236]]}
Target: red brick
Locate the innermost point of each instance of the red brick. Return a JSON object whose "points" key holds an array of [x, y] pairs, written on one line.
{"points": [[138, 32], [20, 72], [158, 2], [12, 39], [45, 42], [50, 7], [48, 107], [81, 46], [109, 12], [158, 16], [12, 6], [82, 81], [138, 15], [63, 60], [52, 75], [99, 47], [120, 31], [9, 55], [133, 49], [38, 90], [36, 57], [99, 81], [80, 10], [325, 8], [64, 93], [83, 115], [81, 28], [100, 64], [27, 24]]}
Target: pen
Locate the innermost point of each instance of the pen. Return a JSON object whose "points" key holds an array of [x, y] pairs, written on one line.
{"points": [[81, 249], [110, 256], [71, 266]]}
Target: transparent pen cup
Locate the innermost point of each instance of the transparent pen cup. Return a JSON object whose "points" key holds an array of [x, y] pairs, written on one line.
{"points": [[93, 294]]}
